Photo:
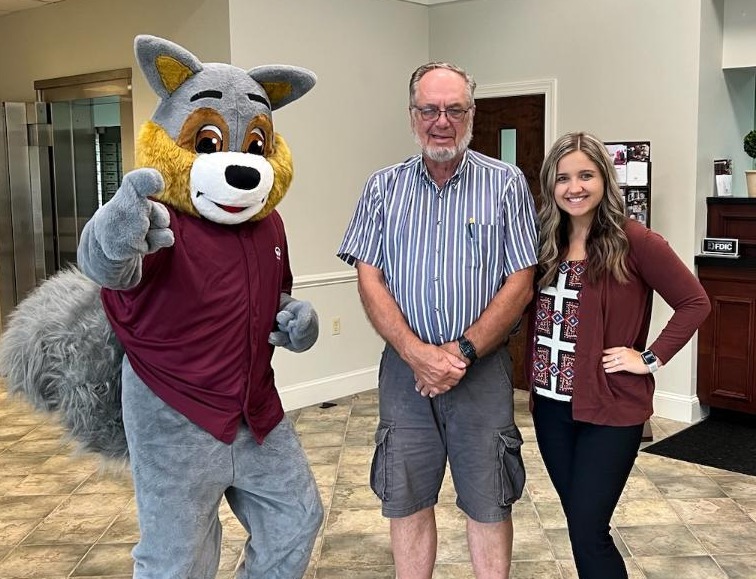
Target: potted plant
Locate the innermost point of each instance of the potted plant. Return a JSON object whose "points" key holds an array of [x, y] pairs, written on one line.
{"points": [[749, 146]]}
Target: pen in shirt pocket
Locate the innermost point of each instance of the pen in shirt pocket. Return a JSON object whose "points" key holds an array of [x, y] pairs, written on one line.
{"points": [[470, 223]]}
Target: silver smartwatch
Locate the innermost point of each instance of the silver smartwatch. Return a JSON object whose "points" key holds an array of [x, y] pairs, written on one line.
{"points": [[650, 360]]}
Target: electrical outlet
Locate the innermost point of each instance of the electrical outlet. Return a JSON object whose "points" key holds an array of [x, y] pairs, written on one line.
{"points": [[336, 326]]}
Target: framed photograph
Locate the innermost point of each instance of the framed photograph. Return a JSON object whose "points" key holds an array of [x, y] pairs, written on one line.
{"points": [[639, 216], [639, 151], [635, 195], [636, 204], [618, 153]]}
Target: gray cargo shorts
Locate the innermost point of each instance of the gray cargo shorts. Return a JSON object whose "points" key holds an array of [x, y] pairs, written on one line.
{"points": [[472, 425]]}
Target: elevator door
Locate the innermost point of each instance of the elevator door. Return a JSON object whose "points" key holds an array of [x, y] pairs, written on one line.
{"points": [[52, 180], [74, 164], [26, 236]]}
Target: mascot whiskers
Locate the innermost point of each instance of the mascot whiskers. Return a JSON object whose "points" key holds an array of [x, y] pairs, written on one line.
{"points": [[160, 347]]}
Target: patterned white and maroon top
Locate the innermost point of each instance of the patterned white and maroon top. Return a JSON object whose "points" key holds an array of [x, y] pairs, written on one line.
{"points": [[556, 333]]}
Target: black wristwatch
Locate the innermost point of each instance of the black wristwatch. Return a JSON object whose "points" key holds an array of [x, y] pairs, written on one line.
{"points": [[650, 360], [467, 348]]}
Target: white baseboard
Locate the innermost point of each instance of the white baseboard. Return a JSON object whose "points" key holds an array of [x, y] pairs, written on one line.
{"points": [[679, 407], [328, 388], [666, 404]]}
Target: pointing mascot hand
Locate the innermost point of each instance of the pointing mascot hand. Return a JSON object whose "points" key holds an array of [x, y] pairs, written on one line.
{"points": [[142, 224]]}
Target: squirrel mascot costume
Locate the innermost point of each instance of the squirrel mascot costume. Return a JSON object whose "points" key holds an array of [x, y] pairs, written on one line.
{"points": [[159, 349]]}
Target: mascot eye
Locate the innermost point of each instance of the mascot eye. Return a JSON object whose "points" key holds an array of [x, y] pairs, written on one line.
{"points": [[209, 139], [256, 143]]}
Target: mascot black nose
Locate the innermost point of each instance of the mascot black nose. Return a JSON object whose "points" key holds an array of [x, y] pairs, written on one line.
{"points": [[242, 177]]}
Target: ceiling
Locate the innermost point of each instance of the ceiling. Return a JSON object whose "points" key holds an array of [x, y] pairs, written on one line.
{"points": [[8, 6]]}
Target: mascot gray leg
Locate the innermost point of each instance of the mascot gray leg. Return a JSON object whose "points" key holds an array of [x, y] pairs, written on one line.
{"points": [[181, 473], [275, 497]]}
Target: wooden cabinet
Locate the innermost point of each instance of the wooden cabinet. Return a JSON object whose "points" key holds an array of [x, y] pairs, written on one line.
{"points": [[727, 339]]}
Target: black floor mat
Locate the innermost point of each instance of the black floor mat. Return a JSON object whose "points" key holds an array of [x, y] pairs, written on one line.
{"points": [[725, 440]]}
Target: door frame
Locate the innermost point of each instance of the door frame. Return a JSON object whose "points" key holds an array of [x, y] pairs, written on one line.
{"points": [[546, 87]]}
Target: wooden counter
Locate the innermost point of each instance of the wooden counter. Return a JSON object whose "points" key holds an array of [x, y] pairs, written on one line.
{"points": [[727, 339]]}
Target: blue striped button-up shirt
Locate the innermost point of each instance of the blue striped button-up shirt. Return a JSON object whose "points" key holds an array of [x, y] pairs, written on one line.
{"points": [[444, 252]]}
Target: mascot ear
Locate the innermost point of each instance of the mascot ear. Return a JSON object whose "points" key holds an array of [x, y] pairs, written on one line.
{"points": [[165, 65], [282, 83]]}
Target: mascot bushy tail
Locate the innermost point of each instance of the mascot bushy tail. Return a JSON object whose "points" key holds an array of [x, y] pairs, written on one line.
{"points": [[59, 352]]}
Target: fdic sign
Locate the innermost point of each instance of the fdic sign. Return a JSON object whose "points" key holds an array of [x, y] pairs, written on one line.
{"points": [[721, 247]]}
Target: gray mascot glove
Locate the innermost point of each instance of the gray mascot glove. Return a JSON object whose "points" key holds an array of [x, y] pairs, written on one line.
{"points": [[297, 325], [124, 230], [130, 224]]}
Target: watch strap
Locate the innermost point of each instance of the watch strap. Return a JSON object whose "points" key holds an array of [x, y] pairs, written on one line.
{"points": [[650, 360]]}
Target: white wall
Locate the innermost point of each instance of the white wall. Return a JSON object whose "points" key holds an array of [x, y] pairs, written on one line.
{"points": [[739, 47], [353, 122], [624, 71], [726, 107], [741, 87], [85, 36], [739, 62], [717, 138]]}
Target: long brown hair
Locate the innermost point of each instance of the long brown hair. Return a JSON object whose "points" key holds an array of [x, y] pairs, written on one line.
{"points": [[607, 245]]}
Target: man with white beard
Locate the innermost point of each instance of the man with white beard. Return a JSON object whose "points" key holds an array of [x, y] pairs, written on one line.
{"points": [[444, 244]]}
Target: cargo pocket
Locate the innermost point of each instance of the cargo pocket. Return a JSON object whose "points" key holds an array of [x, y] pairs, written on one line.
{"points": [[380, 471], [511, 469]]}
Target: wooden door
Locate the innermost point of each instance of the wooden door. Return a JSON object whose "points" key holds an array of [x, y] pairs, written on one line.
{"points": [[525, 115]]}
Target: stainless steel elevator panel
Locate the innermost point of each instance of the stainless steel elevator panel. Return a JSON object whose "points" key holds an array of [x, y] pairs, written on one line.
{"points": [[40, 153], [22, 205], [48, 190], [65, 182], [74, 167], [85, 163], [7, 268], [25, 201]]}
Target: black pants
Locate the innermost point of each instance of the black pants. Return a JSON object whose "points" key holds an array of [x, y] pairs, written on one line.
{"points": [[589, 465]]}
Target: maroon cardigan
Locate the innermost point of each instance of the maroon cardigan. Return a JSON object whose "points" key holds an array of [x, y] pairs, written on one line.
{"points": [[614, 314]]}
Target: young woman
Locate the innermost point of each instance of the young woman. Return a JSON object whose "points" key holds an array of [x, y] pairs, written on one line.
{"points": [[590, 368]]}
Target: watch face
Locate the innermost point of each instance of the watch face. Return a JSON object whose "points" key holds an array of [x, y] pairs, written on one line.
{"points": [[648, 357], [467, 349]]}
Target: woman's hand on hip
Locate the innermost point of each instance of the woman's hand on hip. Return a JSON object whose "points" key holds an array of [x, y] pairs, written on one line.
{"points": [[622, 359]]}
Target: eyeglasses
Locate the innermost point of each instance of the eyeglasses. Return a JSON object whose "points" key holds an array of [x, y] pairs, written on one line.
{"points": [[433, 113]]}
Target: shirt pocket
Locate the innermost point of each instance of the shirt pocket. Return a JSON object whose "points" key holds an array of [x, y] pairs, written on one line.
{"points": [[481, 240]]}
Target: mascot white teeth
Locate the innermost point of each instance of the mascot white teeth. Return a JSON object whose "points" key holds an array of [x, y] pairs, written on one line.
{"points": [[158, 348]]}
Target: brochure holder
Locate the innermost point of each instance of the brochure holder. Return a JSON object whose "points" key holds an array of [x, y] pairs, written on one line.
{"points": [[632, 161]]}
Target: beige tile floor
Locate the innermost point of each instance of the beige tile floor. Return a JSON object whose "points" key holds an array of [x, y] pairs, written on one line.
{"points": [[60, 517]]}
